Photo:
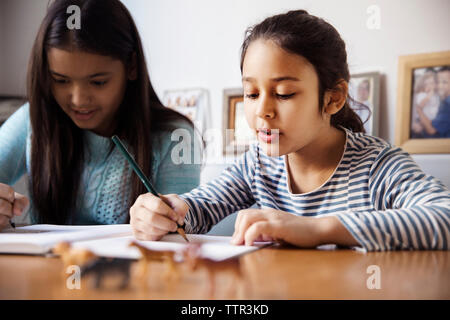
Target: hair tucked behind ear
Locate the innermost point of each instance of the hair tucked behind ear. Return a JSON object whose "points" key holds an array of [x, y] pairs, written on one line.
{"points": [[317, 41]]}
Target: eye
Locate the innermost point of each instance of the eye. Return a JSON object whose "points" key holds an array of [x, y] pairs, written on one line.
{"points": [[99, 83], [284, 96], [60, 81], [251, 96]]}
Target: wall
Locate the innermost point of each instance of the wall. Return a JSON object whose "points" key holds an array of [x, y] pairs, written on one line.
{"points": [[20, 20]]}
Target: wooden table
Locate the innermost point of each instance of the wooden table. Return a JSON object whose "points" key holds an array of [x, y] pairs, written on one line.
{"points": [[269, 273]]}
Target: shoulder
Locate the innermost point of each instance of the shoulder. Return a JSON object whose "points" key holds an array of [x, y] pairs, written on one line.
{"points": [[362, 143], [446, 104], [19, 121], [22, 114], [376, 152]]}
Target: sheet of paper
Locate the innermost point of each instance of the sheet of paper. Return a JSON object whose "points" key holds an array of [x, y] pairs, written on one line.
{"points": [[212, 247], [38, 239]]}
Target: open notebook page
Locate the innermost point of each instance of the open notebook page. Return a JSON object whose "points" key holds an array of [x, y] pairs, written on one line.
{"points": [[40, 238], [213, 247]]}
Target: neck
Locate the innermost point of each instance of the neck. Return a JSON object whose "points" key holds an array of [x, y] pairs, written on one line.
{"points": [[315, 162]]}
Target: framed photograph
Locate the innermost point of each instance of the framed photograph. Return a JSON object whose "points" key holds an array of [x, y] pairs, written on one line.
{"points": [[364, 88], [193, 103], [423, 105], [9, 105], [237, 135]]}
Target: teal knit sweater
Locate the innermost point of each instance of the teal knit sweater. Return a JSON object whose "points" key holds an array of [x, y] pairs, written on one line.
{"points": [[105, 181]]}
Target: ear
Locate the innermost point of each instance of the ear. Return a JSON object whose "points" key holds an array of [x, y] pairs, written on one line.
{"points": [[335, 98], [132, 68]]}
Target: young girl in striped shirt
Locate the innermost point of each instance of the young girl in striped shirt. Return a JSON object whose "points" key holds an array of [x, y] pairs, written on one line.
{"points": [[314, 175]]}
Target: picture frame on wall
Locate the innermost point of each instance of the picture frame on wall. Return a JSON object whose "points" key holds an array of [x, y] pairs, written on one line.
{"points": [[237, 135], [192, 103], [423, 103], [364, 88], [9, 105]]}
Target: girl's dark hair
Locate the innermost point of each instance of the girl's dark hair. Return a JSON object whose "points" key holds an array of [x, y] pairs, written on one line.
{"points": [[107, 28], [317, 41]]}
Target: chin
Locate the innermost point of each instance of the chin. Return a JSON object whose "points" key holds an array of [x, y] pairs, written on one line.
{"points": [[271, 149], [85, 126]]}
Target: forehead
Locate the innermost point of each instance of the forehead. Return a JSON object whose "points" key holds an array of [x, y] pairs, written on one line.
{"points": [[266, 59], [80, 63]]}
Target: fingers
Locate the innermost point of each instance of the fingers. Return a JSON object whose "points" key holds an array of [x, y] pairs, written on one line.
{"points": [[152, 217], [261, 230], [237, 224], [244, 220], [6, 208], [12, 203], [178, 205], [6, 193], [21, 203], [4, 221], [156, 205], [146, 236], [152, 227]]}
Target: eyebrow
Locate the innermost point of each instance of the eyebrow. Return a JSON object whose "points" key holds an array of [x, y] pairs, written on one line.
{"points": [[90, 76], [278, 79]]}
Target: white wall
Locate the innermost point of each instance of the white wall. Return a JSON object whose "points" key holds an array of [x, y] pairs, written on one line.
{"points": [[20, 20], [196, 44]]}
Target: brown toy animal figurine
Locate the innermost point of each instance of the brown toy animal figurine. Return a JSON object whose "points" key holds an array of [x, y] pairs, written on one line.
{"points": [[149, 255], [71, 256], [230, 266]]}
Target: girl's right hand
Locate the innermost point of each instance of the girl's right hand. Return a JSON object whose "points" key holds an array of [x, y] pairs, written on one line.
{"points": [[151, 217], [11, 204]]}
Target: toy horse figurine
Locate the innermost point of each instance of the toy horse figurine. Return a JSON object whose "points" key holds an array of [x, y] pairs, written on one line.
{"points": [[71, 256], [149, 255], [194, 261], [89, 263], [104, 266]]}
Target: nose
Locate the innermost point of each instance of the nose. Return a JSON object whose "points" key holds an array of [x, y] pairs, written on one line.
{"points": [[79, 96], [265, 108]]}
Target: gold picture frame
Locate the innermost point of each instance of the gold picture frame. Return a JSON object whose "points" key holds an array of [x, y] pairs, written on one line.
{"points": [[236, 133], [409, 67]]}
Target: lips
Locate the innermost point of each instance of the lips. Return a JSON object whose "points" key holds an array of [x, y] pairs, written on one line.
{"points": [[268, 135], [84, 114]]}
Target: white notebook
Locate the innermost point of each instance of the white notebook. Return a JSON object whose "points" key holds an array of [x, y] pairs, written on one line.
{"points": [[112, 241], [213, 247], [40, 238]]}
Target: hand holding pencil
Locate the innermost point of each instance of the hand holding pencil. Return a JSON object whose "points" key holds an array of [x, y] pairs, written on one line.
{"points": [[11, 204], [153, 215]]}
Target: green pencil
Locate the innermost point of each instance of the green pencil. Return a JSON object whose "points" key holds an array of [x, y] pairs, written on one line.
{"points": [[142, 176]]}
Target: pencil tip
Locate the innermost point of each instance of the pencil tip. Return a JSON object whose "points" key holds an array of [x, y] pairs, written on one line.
{"points": [[183, 234]]}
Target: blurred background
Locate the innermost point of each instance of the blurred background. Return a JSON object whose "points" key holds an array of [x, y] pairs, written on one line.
{"points": [[196, 44]]}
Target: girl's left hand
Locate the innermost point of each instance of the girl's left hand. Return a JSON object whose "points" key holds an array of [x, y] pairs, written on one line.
{"points": [[269, 224]]}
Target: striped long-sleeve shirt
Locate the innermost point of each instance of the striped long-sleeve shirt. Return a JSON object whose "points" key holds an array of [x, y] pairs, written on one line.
{"points": [[377, 192]]}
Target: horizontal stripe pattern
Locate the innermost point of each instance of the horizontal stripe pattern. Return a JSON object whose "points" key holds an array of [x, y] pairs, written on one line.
{"points": [[377, 192]]}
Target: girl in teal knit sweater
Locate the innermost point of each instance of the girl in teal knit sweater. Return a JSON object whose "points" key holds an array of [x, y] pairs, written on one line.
{"points": [[83, 86]]}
